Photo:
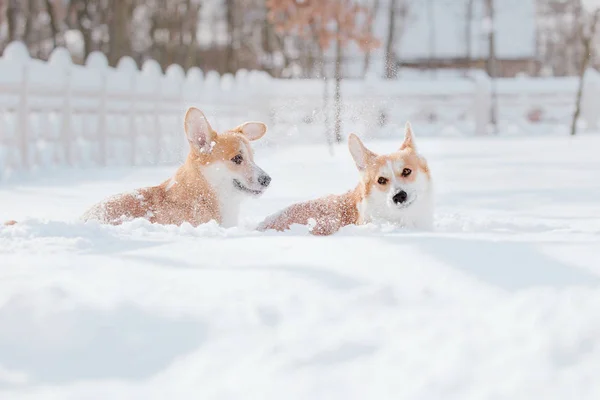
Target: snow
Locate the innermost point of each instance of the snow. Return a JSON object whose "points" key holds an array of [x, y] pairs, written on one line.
{"points": [[501, 301]]}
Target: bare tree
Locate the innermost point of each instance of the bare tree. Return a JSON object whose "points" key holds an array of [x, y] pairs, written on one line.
{"points": [[30, 15], [337, 94], [587, 32], [330, 21], [431, 23], [468, 35], [230, 64], [558, 35], [52, 10], [173, 28], [12, 13], [306, 20], [397, 13], [390, 58], [373, 11], [121, 13], [37, 23], [84, 21], [172, 31], [491, 64]]}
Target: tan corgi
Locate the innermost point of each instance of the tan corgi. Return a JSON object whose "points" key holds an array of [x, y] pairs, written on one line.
{"points": [[395, 188], [218, 174]]}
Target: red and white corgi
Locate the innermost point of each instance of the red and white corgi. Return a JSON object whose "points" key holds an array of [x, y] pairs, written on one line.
{"points": [[218, 174], [394, 188]]}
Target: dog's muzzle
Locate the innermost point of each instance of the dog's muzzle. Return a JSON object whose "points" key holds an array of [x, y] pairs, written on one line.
{"points": [[240, 186]]}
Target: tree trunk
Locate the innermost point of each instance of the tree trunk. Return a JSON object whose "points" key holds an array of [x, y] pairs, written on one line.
{"points": [[578, 97], [192, 49], [431, 23], [86, 32], [468, 36], [326, 102], [492, 63], [587, 56], [338, 92], [28, 30], [53, 23], [230, 52], [576, 42], [390, 67], [119, 31], [12, 11], [88, 43], [267, 46], [309, 59], [367, 64]]}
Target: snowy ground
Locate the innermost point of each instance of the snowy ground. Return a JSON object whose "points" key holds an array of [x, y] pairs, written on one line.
{"points": [[501, 302]]}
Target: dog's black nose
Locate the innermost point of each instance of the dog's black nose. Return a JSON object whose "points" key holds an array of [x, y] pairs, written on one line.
{"points": [[264, 180], [400, 197]]}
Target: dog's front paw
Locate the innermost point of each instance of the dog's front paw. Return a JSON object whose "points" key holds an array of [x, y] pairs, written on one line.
{"points": [[323, 226]]}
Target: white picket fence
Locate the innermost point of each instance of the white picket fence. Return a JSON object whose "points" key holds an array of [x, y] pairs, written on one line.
{"points": [[57, 113]]}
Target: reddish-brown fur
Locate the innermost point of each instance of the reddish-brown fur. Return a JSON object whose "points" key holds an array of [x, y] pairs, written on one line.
{"points": [[187, 197], [331, 213], [190, 200]]}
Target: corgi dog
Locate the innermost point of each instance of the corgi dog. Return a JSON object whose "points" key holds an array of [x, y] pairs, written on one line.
{"points": [[394, 188], [218, 174]]}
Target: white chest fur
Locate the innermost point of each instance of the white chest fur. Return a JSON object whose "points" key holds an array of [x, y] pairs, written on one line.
{"points": [[229, 198]]}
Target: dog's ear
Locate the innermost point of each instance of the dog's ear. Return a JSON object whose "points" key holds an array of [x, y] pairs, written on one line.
{"points": [[198, 131], [362, 156], [253, 130], [409, 138]]}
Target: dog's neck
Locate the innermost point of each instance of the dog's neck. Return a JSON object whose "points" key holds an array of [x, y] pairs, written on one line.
{"points": [[229, 198], [206, 186]]}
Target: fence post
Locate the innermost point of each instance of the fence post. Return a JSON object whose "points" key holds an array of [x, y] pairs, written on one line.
{"points": [[242, 98], [229, 114], [213, 98], [152, 69], [590, 100], [17, 51], [373, 115], [262, 84], [97, 61], [193, 93], [483, 102], [61, 58], [256, 95], [175, 78]]}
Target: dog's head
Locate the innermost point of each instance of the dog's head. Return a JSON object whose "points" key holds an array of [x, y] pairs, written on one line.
{"points": [[393, 183], [226, 159]]}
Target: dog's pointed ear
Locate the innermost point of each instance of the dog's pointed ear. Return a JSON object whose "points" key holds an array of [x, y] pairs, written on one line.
{"points": [[409, 138], [361, 155], [253, 130], [198, 131]]}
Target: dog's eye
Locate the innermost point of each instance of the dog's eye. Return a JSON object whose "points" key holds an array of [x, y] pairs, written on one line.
{"points": [[382, 180], [406, 172], [238, 159]]}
